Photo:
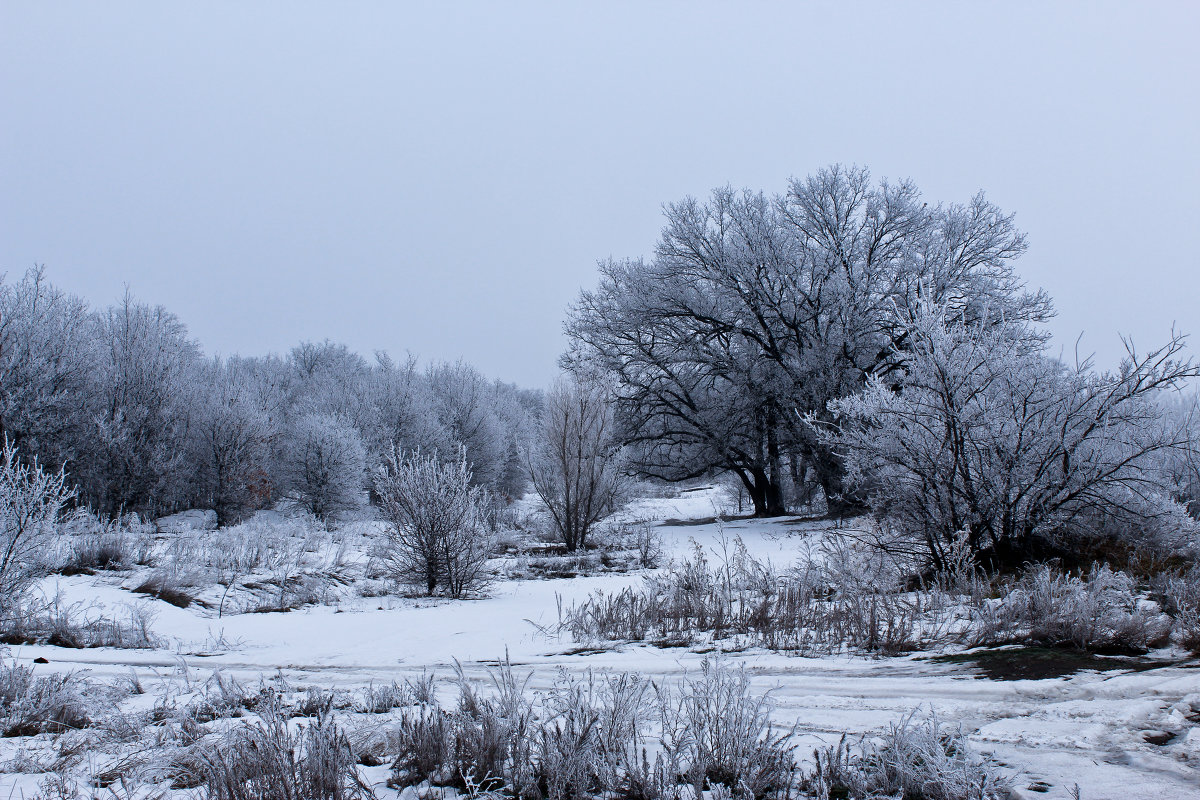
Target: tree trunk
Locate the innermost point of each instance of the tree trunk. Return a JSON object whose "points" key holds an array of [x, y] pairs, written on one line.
{"points": [[775, 506], [765, 494], [831, 475], [774, 488]]}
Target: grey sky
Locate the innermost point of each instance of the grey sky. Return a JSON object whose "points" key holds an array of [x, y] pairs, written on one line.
{"points": [[443, 177]]}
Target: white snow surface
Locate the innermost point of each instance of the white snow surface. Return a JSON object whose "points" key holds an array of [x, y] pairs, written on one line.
{"points": [[1086, 729]]}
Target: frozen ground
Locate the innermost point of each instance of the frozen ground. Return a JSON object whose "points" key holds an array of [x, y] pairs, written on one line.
{"points": [[1087, 729]]}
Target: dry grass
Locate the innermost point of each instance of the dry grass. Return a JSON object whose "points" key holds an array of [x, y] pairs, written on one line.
{"points": [[30, 704], [593, 736], [846, 600], [78, 625]]}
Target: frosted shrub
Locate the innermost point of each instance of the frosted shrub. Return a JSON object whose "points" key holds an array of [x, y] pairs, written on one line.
{"points": [[1182, 600], [30, 502], [721, 733], [439, 525], [913, 759]]}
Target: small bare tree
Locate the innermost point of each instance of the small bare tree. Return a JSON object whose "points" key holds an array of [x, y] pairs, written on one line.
{"points": [[439, 525], [30, 501], [576, 467]]}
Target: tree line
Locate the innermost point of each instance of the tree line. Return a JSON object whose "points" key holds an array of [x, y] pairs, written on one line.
{"points": [[842, 346], [141, 421]]}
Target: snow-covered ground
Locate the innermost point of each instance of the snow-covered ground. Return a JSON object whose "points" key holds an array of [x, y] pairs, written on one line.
{"points": [[1087, 729]]}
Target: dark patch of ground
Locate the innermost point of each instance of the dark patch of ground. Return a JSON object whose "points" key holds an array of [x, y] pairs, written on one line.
{"points": [[162, 591], [687, 523], [1040, 663]]}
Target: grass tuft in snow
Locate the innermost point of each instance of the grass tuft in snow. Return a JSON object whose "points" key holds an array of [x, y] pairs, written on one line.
{"points": [[30, 705], [272, 760], [596, 736]]}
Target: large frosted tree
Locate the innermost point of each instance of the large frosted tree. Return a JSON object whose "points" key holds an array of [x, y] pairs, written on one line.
{"points": [[757, 310], [230, 434]]}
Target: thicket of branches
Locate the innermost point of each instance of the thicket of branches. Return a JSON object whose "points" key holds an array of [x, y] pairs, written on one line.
{"points": [[141, 421], [982, 435]]}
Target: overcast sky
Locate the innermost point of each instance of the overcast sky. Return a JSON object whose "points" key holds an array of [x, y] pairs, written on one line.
{"points": [[443, 177]]}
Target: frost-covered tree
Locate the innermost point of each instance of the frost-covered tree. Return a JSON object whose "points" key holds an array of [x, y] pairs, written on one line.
{"points": [[140, 389], [439, 524], [230, 441], [323, 465], [518, 411], [404, 412], [46, 353], [980, 434], [465, 400], [331, 379], [1183, 464], [575, 465], [757, 307], [30, 501]]}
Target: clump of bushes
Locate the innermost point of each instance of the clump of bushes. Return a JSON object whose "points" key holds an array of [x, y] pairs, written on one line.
{"points": [[1181, 598], [1099, 612]]}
